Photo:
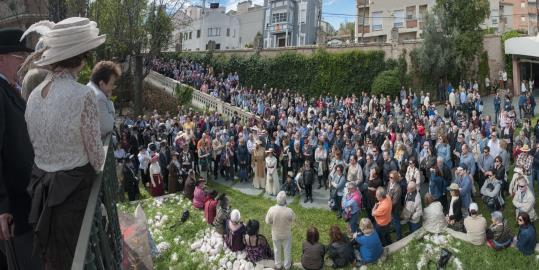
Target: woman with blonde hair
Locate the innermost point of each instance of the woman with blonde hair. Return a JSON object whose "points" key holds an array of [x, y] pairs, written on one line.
{"points": [[370, 246]]}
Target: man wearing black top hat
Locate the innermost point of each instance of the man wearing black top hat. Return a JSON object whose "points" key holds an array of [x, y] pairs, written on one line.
{"points": [[16, 153]]}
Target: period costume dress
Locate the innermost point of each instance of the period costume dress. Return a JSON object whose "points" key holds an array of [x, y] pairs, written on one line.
{"points": [[174, 169], [258, 168], [156, 182], [272, 178]]}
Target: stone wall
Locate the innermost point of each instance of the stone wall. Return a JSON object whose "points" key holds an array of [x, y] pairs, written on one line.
{"points": [[158, 98], [491, 43]]}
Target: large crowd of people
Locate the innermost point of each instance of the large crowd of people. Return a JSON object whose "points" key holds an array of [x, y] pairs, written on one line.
{"points": [[400, 161]]}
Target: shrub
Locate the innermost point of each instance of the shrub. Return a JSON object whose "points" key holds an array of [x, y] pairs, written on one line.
{"points": [[387, 83], [184, 94], [343, 73]]}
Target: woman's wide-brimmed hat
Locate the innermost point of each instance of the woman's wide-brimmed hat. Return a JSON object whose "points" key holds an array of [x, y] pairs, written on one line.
{"points": [[66, 39], [525, 148]]}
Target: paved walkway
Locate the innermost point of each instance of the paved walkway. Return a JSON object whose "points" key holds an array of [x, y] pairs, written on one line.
{"points": [[320, 196]]}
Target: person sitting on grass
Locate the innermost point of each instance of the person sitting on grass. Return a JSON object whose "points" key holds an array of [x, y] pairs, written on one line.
{"points": [[433, 215], [312, 257], [475, 225], [340, 249], [291, 187], [235, 230], [499, 233], [210, 206], [370, 246], [454, 216], [256, 245], [222, 214], [199, 195], [526, 238]]}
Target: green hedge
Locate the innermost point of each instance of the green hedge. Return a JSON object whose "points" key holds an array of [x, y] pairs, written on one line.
{"points": [[387, 83], [336, 73]]}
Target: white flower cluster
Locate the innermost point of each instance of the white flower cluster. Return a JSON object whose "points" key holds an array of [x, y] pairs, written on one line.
{"points": [[212, 246], [432, 248]]}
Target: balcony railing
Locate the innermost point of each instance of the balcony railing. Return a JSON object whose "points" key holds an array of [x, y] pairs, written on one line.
{"points": [[100, 239], [364, 29], [411, 23], [362, 3]]}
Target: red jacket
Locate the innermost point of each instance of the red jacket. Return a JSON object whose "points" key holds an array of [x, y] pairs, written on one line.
{"points": [[210, 210]]}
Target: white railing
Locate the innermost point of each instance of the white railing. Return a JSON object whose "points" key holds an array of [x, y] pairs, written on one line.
{"points": [[199, 100]]}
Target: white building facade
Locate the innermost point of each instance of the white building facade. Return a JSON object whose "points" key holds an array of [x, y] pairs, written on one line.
{"points": [[209, 28]]}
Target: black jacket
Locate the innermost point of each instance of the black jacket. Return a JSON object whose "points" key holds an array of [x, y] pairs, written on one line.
{"points": [[16, 158], [457, 211]]}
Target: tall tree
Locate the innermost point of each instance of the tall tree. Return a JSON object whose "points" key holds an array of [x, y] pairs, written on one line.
{"points": [[452, 41], [434, 60], [138, 30], [462, 20], [347, 28]]}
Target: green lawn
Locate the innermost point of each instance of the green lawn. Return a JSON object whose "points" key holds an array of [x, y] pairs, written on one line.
{"points": [[469, 257]]}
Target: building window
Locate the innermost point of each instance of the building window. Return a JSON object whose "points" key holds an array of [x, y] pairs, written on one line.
{"points": [[190, 35], [214, 32], [522, 18], [198, 33], [494, 16], [398, 18], [377, 22], [360, 20], [410, 13], [228, 32], [278, 17], [523, 5]]}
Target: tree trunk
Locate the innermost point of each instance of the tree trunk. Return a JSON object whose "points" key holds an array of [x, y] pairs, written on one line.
{"points": [[138, 82], [57, 10]]}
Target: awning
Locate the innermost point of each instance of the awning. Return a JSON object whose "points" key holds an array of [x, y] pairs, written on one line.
{"points": [[525, 46]]}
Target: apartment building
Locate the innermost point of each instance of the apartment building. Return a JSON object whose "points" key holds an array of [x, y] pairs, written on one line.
{"points": [[291, 22], [519, 15], [400, 20]]}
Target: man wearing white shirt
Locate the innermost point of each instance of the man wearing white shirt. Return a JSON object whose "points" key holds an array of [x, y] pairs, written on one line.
{"points": [[102, 81], [494, 145]]}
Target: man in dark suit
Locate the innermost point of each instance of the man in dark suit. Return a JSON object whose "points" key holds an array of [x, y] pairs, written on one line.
{"points": [[16, 153]]}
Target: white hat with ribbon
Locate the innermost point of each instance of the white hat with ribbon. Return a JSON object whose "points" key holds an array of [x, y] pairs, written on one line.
{"points": [[66, 39]]}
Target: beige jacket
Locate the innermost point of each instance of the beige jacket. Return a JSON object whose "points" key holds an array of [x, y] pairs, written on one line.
{"points": [[281, 219]]}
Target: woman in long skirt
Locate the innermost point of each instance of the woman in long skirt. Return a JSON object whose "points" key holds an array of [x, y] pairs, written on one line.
{"points": [[259, 180], [272, 177], [156, 180]]}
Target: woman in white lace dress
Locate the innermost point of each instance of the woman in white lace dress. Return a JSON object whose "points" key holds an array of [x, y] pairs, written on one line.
{"points": [[63, 125]]}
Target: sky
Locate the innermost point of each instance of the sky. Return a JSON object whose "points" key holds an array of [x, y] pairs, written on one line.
{"points": [[328, 6]]}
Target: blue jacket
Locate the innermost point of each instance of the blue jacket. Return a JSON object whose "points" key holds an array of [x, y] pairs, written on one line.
{"points": [[465, 185], [526, 240], [436, 186], [370, 247]]}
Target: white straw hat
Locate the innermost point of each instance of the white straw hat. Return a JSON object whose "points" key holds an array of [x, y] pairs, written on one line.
{"points": [[66, 39]]}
